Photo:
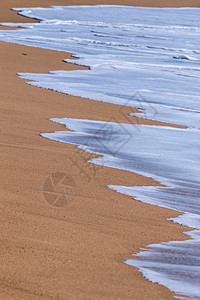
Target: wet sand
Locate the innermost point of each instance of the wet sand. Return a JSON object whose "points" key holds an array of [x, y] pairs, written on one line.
{"points": [[77, 251]]}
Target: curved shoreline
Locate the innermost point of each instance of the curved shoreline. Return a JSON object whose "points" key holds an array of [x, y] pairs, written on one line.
{"points": [[24, 180]]}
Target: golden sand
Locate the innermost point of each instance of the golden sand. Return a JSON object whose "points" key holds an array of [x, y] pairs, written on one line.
{"points": [[77, 251]]}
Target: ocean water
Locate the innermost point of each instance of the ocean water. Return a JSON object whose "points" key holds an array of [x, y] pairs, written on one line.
{"points": [[147, 58]]}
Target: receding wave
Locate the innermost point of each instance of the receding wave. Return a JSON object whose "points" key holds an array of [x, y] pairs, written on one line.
{"points": [[147, 58]]}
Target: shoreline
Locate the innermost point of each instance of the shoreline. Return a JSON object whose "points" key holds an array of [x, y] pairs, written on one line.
{"points": [[122, 225], [11, 16]]}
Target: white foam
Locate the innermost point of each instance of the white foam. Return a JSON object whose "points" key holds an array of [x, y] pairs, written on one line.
{"points": [[163, 153], [136, 47], [139, 57]]}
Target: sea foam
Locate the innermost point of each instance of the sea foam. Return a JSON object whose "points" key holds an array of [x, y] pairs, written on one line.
{"points": [[147, 58]]}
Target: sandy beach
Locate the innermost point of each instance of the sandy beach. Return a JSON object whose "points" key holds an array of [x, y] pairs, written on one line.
{"points": [[77, 251]]}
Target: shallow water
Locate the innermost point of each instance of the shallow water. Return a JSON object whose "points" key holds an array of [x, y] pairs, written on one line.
{"points": [[152, 151], [146, 58]]}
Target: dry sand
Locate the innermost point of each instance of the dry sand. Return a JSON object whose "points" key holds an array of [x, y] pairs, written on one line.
{"points": [[75, 252]]}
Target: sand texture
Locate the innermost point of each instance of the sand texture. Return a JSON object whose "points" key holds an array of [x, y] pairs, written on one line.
{"points": [[76, 251]]}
